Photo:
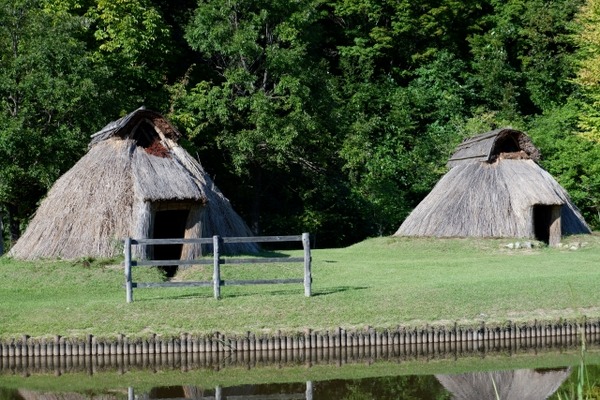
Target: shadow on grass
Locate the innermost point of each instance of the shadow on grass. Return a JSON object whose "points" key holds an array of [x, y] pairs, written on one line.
{"points": [[261, 254], [271, 254], [181, 296], [292, 291], [224, 295], [280, 292], [338, 289]]}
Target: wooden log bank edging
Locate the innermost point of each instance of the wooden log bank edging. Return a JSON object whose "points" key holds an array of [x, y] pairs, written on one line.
{"points": [[339, 338]]}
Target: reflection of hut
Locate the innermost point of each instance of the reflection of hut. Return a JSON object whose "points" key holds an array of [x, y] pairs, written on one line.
{"points": [[134, 181], [495, 188], [33, 395], [524, 384]]}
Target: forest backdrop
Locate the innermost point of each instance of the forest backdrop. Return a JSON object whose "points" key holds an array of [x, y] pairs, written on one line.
{"points": [[334, 117]]}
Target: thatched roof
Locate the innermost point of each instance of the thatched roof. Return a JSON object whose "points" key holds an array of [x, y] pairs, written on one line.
{"points": [[125, 125], [491, 145], [490, 200], [132, 162], [490, 195], [523, 384]]}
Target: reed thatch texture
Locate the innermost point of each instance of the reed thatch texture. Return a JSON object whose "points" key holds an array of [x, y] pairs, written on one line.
{"points": [[490, 191], [488, 147], [124, 126], [86, 211], [133, 169], [490, 200], [523, 384]]}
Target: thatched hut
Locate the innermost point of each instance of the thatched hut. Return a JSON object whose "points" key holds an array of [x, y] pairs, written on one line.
{"points": [[495, 188], [136, 181], [523, 384]]}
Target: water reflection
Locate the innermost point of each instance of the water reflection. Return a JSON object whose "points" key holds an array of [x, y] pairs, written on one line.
{"points": [[290, 391], [398, 387], [520, 384], [524, 384], [516, 384]]}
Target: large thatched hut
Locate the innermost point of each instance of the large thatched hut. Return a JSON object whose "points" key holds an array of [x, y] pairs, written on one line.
{"points": [[495, 188], [135, 180]]}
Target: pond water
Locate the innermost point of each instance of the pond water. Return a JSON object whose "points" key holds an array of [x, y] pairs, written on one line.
{"points": [[555, 370]]}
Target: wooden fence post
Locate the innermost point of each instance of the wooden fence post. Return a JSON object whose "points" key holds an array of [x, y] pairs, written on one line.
{"points": [[216, 267], [307, 264], [217, 242], [309, 390], [128, 283]]}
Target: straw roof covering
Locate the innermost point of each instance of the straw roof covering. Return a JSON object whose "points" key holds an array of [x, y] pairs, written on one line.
{"points": [[491, 191], [133, 169], [490, 145], [523, 384]]}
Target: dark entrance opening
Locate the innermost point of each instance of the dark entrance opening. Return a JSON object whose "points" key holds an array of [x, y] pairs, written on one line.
{"points": [[542, 219], [169, 224]]}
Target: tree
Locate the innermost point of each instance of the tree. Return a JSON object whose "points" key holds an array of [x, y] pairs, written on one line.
{"points": [[45, 82], [587, 37], [571, 158], [265, 105], [520, 59], [569, 135], [398, 138], [132, 48], [1, 232], [395, 37]]}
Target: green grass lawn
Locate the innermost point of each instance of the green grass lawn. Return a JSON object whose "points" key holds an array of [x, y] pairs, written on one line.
{"points": [[381, 283]]}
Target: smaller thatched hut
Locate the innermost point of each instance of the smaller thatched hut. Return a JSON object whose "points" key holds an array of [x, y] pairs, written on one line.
{"points": [[135, 181], [495, 188]]}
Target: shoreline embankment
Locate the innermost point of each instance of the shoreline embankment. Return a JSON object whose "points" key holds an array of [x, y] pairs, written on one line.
{"points": [[26, 346]]}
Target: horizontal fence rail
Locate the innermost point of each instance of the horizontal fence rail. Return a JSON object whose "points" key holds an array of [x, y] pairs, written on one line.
{"points": [[217, 261]]}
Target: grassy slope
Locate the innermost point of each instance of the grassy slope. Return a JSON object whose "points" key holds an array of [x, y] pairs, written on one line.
{"points": [[381, 282]]}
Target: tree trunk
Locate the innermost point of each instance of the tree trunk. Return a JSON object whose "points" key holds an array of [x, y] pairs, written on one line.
{"points": [[13, 224], [255, 208], [1, 232]]}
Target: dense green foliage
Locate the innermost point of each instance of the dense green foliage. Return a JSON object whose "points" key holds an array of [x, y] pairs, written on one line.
{"points": [[44, 81], [329, 116]]}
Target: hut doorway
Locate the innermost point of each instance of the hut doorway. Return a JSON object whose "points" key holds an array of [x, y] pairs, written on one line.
{"points": [[546, 223], [169, 224]]}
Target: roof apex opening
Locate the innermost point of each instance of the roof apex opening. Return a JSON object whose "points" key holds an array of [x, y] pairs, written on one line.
{"points": [[494, 145]]}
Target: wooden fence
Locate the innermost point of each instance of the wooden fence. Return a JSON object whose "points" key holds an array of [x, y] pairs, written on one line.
{"points": [[217, 260]]}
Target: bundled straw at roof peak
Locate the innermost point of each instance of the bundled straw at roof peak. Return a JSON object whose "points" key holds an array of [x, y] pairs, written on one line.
{"points": [[490, 145]]}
